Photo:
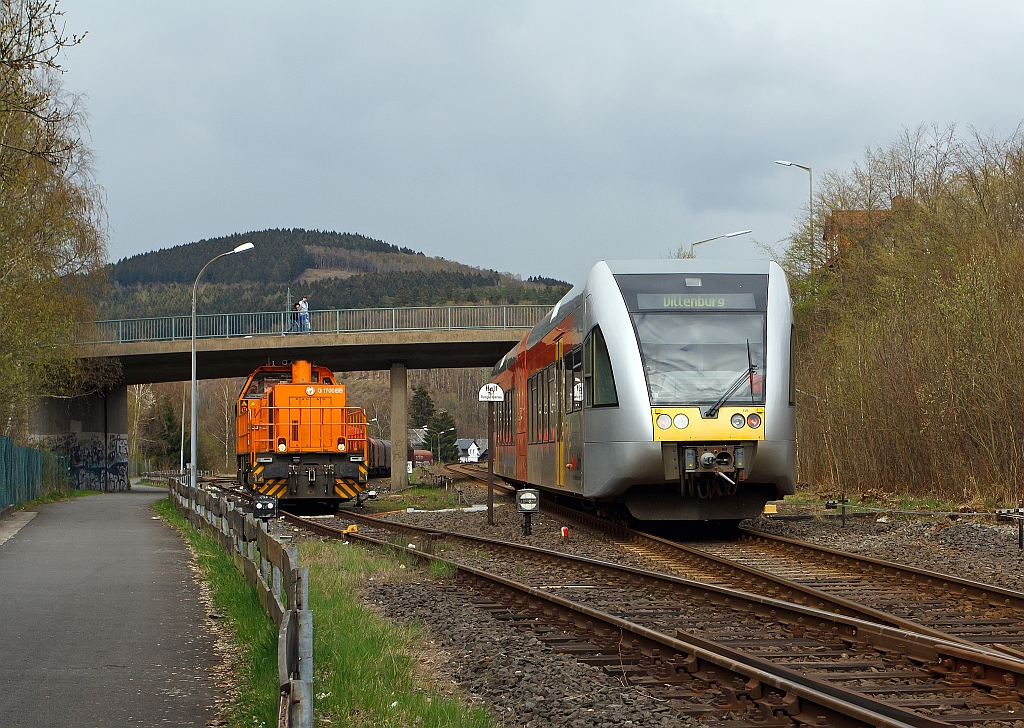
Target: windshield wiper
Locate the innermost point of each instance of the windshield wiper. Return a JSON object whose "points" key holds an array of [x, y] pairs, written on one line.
{"points": [[712, 411]]}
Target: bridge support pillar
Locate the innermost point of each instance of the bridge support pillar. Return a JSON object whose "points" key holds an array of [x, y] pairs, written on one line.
{"points": [[92, 431], [399, 426]]}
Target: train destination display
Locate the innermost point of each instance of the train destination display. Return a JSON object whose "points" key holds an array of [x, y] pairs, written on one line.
{"points": [[677, 301]]}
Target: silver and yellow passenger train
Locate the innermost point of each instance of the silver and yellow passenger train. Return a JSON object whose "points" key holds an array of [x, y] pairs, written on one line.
{"points": [[662, 386]]}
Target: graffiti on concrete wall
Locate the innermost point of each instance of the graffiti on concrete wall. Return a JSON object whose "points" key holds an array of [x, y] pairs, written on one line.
{"points": [[95, 465]]}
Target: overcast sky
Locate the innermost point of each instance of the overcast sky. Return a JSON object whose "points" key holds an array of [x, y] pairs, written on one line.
{"points": [[536, 138]]}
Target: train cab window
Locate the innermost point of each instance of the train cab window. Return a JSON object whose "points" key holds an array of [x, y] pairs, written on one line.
{"points": [[598, 380]]}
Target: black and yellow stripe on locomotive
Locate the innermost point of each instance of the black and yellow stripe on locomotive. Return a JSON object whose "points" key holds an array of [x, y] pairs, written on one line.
{"points": [[344, 487]]}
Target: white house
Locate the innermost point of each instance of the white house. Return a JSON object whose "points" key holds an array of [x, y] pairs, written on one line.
{"points": [[471, 450]]}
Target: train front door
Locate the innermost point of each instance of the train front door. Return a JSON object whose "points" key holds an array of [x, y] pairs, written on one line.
{"points": [[559, 416], [571, 435]]}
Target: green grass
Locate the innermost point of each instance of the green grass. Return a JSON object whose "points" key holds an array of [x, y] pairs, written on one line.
{"points": [[255, 703], [56, 497], [366, 673], [875, 499], [441, 570]]}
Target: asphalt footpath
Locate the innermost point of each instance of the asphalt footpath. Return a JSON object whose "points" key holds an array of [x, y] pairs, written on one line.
{"points": [[101, 619]]}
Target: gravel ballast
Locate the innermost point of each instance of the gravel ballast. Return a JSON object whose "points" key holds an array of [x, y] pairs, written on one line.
{"points": [[524, 682], [967, 548]]}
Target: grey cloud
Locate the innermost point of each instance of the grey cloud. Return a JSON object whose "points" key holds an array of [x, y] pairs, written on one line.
{"points": [[535, 137]]}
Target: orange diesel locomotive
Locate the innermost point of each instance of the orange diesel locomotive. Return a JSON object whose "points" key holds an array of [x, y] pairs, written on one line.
{"points": [[296, 438]]}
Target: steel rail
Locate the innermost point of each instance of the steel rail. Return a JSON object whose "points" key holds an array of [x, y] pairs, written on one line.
{"points": [[837, 705], [870, 566], [766, 580], [967, 668]]}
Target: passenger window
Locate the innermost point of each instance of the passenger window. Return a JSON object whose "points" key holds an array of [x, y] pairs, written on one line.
{"points": [[598, 380]]}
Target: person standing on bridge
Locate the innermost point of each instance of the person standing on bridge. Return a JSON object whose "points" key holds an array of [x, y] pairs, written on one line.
{"points": [[304, 314], [295, 324]]}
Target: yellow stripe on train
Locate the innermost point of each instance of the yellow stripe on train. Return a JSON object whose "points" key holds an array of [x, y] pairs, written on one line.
{"points": [[697, 429]]}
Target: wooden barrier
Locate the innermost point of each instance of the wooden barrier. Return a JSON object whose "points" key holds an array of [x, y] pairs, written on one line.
{"points": [[282, 588]]}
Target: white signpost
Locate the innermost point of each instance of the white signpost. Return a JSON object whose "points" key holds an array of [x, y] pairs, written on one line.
{"points": [[490, 393]]}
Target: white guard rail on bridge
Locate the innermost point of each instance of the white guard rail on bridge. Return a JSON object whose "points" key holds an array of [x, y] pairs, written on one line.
{"points": [[350, 320]]}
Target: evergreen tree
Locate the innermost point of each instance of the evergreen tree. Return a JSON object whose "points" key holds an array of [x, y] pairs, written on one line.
{"points": [[441, 437], [422, 408], [164, 439]]}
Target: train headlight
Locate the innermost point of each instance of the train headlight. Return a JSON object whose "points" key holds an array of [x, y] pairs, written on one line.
{"points": [[753, 421], [738, 421], [341, 444], [681, 421], [282, 445], [664, 422]]}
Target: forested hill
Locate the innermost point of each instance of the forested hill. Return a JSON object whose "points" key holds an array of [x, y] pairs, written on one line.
{"points": [[333, 270]]}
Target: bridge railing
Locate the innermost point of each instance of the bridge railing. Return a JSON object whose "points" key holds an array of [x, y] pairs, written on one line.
{"points": [[349, 320]]}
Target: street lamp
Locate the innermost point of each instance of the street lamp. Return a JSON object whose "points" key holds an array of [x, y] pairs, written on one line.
{"points": [[437, 436], [193, 465], [810, 207], [717, 237]]}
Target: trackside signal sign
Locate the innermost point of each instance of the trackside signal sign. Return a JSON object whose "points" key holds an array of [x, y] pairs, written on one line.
{"points": [[491, 392]]}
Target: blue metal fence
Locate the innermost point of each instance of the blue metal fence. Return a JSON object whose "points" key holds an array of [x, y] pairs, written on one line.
{"points": [[27, 473], [351, 320]]}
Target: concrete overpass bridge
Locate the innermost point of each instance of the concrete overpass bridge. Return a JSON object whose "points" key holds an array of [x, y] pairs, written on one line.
{"points": [[232, 345]]}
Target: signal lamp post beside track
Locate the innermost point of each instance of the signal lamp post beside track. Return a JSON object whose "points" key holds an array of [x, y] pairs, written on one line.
{"points": [[194, 462]]}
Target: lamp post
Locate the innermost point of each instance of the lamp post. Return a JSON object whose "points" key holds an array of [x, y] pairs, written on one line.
{"points": [[438, 438], [810, 208], [193, 464], [717, 237]]}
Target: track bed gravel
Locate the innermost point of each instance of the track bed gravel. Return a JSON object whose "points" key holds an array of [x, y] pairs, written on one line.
{"points": [[523, 681], [985, 552], [520, 680], [546, 533]]}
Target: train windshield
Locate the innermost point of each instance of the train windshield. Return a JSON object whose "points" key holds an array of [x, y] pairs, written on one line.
{"points": [[698, 334]]}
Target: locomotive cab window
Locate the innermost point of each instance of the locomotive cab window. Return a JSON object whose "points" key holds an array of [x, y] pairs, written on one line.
{"points": [[598, 381]]}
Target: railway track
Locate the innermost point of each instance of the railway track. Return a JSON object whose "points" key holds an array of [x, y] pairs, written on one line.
{"points": [[729, 648], [973, 611], [907, 598], [918, 675]]}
